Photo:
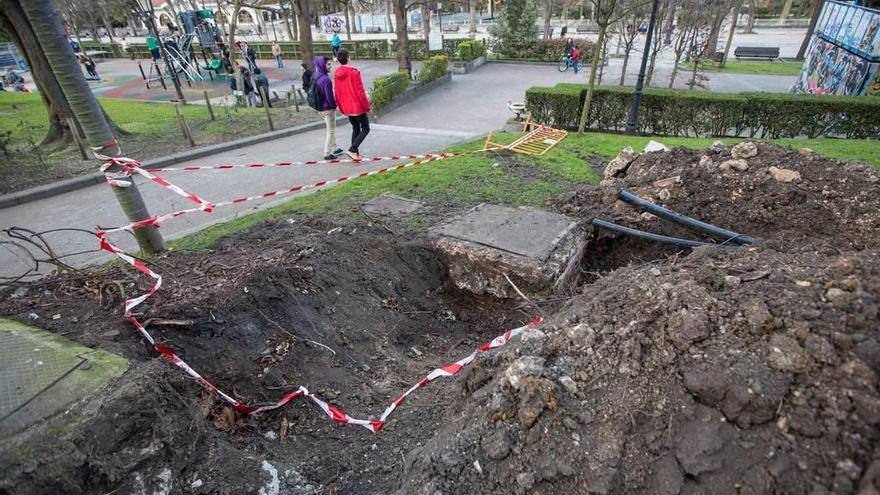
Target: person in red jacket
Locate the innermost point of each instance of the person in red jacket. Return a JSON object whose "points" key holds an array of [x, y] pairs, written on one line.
{"points": [[351, 98], [575, 58]]}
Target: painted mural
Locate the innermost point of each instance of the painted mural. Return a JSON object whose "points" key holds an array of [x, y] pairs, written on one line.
{"points": [[833, 70], [844, 54]]}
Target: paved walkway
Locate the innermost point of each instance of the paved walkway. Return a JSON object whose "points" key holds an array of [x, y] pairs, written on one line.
{"points": [[469, 106]]}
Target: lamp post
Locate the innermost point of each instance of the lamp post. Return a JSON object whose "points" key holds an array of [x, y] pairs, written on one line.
{"points": [[149, 12], [632, 121]]}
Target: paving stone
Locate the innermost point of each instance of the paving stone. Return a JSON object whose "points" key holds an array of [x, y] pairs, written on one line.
{"points": [[41, 373], [539, 251], [388, 204]]}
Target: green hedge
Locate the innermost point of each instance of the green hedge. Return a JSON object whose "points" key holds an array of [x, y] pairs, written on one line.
{"points": [[387, 87], [541, 50], [470, 50], [433, 68], [696, 113]]}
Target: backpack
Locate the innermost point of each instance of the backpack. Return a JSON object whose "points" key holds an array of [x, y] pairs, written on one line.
{"points": [[313, 95]]}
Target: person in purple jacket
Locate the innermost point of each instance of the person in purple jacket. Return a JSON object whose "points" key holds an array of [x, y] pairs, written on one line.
{"points": [[321, 78]]}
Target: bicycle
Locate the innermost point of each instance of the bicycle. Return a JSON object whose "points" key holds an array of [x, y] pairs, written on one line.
{"points": [[565, 63]]}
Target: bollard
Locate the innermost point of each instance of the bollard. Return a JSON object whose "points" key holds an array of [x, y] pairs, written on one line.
{"points": [[295, 96], [265, 99], [208, 103], [183, 126]]}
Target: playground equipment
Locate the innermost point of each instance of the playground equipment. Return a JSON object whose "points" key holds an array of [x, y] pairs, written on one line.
{"points": [[180, 50]]}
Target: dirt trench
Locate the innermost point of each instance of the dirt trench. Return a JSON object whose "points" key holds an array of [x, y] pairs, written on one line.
{"points": [[354, 314]]}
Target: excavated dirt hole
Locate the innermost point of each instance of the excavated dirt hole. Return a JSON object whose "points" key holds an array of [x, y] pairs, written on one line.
{"points": [[354, 314], [607, 252]]}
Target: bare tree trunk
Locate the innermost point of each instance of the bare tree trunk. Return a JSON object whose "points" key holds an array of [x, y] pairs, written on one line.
{"points": [[388, 10], [670, 18], [750, 27], [472, 20], [403, 60], [233, 25], [285, 16], [347, 11], [548, 12], [585, 112], [814, 18], [303, 18], [426, 24], [786, 9], [712, 40], [18, 28], [736, 8], [47, 27]]}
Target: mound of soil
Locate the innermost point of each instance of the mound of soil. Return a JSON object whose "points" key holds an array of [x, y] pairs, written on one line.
{"points": [[750, 370]]}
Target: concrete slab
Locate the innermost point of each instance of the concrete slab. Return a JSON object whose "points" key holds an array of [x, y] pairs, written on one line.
{"points": [[388, 204], [539, 251], [527, 232], [42, 373]]}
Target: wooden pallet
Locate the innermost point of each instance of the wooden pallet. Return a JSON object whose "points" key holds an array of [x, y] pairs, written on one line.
{"points": [[537, 140]]}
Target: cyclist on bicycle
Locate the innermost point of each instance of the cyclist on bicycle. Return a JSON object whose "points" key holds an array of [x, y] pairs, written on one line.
{"points": [[575, 58], [566, 51]]}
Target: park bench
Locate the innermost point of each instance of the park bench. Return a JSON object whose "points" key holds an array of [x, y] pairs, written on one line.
{"points": [[373, 29], [586, 28], [450, 29], [768, 52]]}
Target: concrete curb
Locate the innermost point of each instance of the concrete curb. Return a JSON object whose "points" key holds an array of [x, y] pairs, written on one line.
{"points": [[74, 183]]}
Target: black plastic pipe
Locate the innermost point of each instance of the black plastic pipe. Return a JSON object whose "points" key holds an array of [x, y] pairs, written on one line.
{"points": [[726, 235], [675, 241]]}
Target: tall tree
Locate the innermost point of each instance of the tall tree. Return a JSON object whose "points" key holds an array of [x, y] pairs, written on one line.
{"points": [[403, 56], [303, 14], [50, 34], [737, 5], [515, 27], [750, 26], [607, 13], [19, 30], [628, 30], [472, 19], [814, 18], [657, 44], [548, 13]]}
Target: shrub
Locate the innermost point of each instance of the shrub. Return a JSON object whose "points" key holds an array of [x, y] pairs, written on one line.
{"points": [[692, 113], [470, 50], [433, 68], [387, 87], [516, 27], [542, 50]]}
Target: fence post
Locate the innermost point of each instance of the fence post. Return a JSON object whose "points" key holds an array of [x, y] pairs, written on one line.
{"points": [[183, 126], [71, 123], [295, 96], [265, 98], [210, 109]]}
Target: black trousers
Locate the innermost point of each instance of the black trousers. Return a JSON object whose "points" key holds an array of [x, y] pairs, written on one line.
{"points": [[360, 127]]}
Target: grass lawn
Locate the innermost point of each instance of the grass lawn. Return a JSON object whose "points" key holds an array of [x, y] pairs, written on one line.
{"points": [[25, 117], [770, 67], [471, 179]]}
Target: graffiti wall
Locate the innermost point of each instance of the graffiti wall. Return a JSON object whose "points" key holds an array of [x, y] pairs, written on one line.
{"points": [[844, 54], [831, 69]]}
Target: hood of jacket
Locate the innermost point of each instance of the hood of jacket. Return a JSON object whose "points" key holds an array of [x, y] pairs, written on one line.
{"points": [[343, 72], [321, 66]]}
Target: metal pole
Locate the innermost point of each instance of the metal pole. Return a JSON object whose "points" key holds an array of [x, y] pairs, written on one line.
{"points": [[632, 122], [151, 22]]}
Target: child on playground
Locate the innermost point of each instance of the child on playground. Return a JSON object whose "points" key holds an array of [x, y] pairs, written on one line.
{"points": [[352, 101]]}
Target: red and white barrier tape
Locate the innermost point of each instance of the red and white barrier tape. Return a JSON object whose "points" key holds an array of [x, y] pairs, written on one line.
{"points": [[156, 220], [130, 166], [337, 161]]}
